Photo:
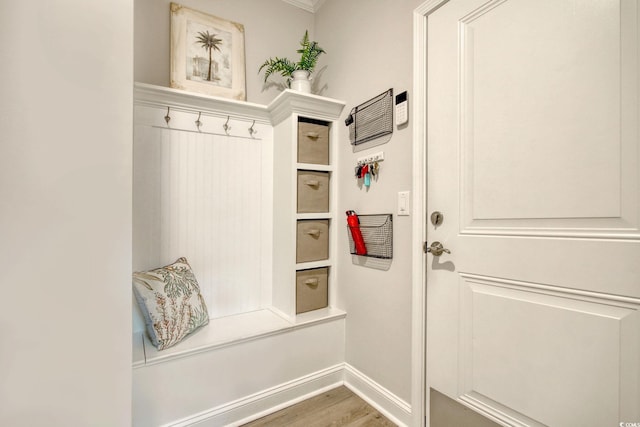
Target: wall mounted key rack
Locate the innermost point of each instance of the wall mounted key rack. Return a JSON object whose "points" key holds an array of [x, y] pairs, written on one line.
{"points": [[368, 168]]}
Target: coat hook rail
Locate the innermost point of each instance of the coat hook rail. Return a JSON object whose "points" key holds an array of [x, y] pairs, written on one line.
{"points": [[199, 122]]}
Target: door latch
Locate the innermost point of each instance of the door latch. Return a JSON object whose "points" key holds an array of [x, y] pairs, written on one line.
{"points": [[436, 249]]}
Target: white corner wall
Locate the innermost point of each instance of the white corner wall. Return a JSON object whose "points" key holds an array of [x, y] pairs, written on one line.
{"points": [[272, 28], [369, 50], [65, 212]]}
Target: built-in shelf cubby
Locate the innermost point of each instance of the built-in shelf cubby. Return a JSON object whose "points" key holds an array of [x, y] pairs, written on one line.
{"points": [[305, 189]]}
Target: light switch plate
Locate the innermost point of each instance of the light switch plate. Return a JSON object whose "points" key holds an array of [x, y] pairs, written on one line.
{"points": [[403, 203]]}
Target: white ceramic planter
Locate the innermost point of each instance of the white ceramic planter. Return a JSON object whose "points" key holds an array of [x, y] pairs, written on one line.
{"points": [[301, 81]]}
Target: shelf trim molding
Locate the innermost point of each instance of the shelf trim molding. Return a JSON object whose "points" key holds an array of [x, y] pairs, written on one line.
{"points": [[284, 105], [158, 96]]}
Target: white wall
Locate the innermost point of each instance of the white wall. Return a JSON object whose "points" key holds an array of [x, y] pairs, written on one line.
{"points": [[65, 212], [369, 45], [272, 28]]}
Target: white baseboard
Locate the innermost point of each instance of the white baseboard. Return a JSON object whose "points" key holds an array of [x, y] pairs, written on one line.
{"points": [[258, 405], [387, 403]]}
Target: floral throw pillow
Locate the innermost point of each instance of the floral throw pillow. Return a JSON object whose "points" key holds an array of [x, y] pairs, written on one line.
{"points": [[170, 300]]}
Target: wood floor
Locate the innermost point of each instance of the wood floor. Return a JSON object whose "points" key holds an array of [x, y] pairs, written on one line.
{"points": [[337, 407]]}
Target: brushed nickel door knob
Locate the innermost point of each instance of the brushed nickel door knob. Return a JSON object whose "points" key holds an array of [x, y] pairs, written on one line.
{"points": [[436, 249]]}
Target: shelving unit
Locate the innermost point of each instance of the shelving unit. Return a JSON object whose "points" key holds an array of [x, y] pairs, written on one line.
{"points": [[277, 125], [296, 110]]}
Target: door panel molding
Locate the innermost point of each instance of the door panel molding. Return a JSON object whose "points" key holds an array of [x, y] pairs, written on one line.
{"points": [[608, 172], [582, 340], [505, 228]]}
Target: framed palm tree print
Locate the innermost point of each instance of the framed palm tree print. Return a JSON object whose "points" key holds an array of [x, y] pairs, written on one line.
{"points": [[207, 54]]}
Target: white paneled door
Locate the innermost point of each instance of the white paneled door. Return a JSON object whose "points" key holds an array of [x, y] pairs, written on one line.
{"points": [[533, 318]]}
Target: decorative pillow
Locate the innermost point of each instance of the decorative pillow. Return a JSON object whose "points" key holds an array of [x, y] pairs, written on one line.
{"points": [[170, 300]]}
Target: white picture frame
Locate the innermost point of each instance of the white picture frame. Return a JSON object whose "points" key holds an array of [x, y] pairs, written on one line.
{"points": [[207, 54]]}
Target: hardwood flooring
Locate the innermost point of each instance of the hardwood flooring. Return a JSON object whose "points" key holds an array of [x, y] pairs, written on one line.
{"points": [[337, 407]]}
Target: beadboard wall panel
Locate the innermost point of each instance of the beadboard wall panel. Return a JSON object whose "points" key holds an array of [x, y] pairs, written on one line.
{"points": [[200, 195]]}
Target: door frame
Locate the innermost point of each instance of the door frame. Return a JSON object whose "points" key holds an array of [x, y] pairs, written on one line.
{"points": [[419, 410]]}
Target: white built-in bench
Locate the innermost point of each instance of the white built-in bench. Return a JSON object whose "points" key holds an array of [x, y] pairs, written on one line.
{"points": [[238, 368], [228, 331]]}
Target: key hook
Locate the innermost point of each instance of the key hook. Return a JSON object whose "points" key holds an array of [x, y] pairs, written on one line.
{"points": [[167, 118], [198, 122]]}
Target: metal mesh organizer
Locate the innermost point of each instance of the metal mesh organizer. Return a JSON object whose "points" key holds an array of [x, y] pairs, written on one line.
{"points": [[377, 232], [371, 119]]}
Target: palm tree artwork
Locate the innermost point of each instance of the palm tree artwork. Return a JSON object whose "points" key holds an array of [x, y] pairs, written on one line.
{"points": [[210, 42]]}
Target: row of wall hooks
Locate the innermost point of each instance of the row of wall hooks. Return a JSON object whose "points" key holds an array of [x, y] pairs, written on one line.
{"points": [[368, 168], [226, 126]]}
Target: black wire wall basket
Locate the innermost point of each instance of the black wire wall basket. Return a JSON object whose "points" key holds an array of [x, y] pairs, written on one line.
{"points": [[372, 119], [377, 233]]}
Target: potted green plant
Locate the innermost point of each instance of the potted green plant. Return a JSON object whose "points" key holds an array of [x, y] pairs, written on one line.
{"points": [[298, 74]]}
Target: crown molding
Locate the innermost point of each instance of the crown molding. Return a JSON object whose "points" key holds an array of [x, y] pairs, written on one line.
{"points": [[309, 5], [293, 102]]}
